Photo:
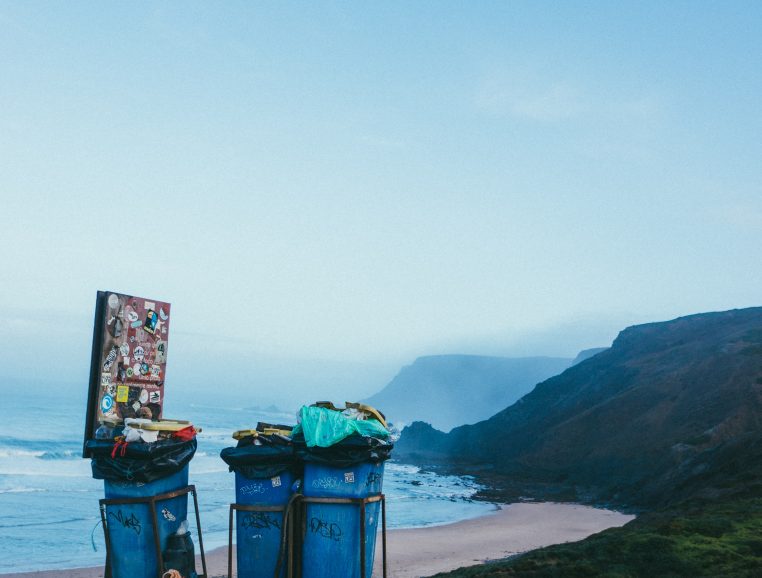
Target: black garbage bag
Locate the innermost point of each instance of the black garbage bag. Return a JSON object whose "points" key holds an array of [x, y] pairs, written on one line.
{"points": [[139, 461], [274, 456], [179, 554], [350, 451]]}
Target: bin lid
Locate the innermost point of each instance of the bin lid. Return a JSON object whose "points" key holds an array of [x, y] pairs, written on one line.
{"points": [[160, 425], [267, 431], [244, 433]]}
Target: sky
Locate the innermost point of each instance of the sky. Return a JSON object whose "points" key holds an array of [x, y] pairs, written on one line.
{"points": [[325, 191]]}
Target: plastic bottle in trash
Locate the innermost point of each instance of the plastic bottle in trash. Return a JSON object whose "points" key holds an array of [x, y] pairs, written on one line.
{"points": [[105, 431]]}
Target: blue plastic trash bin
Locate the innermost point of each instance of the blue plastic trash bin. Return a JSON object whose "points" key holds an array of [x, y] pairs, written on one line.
{"points": [[130, 526], [331, 540], [258, 533]]}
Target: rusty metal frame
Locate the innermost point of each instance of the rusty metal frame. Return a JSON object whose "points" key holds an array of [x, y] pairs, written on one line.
{"points": [[151, 501], [303, 501], [362, 502], [254, 508]]}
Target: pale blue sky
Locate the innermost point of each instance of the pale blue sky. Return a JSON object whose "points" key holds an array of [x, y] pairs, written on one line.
{"points": [[373, 181]]}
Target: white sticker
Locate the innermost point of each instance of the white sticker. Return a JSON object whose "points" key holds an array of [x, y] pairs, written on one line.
{"points": [[139, 353], [132, 316], [106, 379], [124, 349], [149, 305], [276, 481], [143, 396], [161, 351], [113, 301], [349, 477], [155, 397], [169, 516]]}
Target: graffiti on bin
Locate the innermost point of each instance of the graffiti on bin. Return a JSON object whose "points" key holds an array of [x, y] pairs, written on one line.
{"points": [[132, 522], [261, 521], [252, 489], [372, 479], [326, 483], [326, 530]]}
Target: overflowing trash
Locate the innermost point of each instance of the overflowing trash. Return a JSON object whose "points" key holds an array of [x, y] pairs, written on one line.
{"points": [[141, 452], [323, 470], [144, 466]]}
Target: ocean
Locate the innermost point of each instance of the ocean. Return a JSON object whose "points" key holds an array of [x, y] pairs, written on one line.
{"points": [[49, 517]]}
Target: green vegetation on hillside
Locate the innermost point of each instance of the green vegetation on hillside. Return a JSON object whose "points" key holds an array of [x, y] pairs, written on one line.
{"points": [[712, 540]]}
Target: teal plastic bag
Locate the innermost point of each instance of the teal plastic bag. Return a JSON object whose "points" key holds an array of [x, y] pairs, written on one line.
{"points": [[324, 427]]}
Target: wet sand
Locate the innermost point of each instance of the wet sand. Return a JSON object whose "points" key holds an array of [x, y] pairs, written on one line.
{"points": [[417, 552]]}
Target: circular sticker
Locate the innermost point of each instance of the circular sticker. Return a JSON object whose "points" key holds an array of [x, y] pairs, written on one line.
{"points": [[107, 403], [144, 369], [124, 350], [130, 372], [139, 353], [113, 301], [143, 396], [132, 316]]}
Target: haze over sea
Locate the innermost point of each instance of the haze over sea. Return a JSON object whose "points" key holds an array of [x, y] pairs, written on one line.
{"points": [[49, 501]]}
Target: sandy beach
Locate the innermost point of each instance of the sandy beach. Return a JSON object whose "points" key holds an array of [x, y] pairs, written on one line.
{"points": [[416, 552]]}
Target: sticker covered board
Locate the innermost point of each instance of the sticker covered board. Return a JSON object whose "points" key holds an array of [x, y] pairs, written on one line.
{"points": [[129, 359]]}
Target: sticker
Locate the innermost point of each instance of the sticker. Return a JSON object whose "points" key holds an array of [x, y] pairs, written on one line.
{"points": [[105, 379], [144, 369], [149, 305], [110, 321], [136, 406], [143, 396], [122, 393], [121, 373], [111, 389], [155, 397], [163, 329], [276, 481], [130, 372], [136, 324], [163, 315], [107, 403], [113, 301], [124, 349], [151, 320], [161, 351], [139, 353], [136, 369], [155, 370], [132, 339], [132, 316], [168, 515], [349, 478], [126, 360], [110, 359]]}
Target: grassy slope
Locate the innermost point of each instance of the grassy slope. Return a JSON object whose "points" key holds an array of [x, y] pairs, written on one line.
{"points": [[714, 540]]}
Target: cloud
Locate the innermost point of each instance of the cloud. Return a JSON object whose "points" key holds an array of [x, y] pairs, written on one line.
{"points": [[526, 94], [516, 95], [742, 215]]}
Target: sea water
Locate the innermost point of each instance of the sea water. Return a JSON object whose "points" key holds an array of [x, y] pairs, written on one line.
{"points": [[49, 516]]}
